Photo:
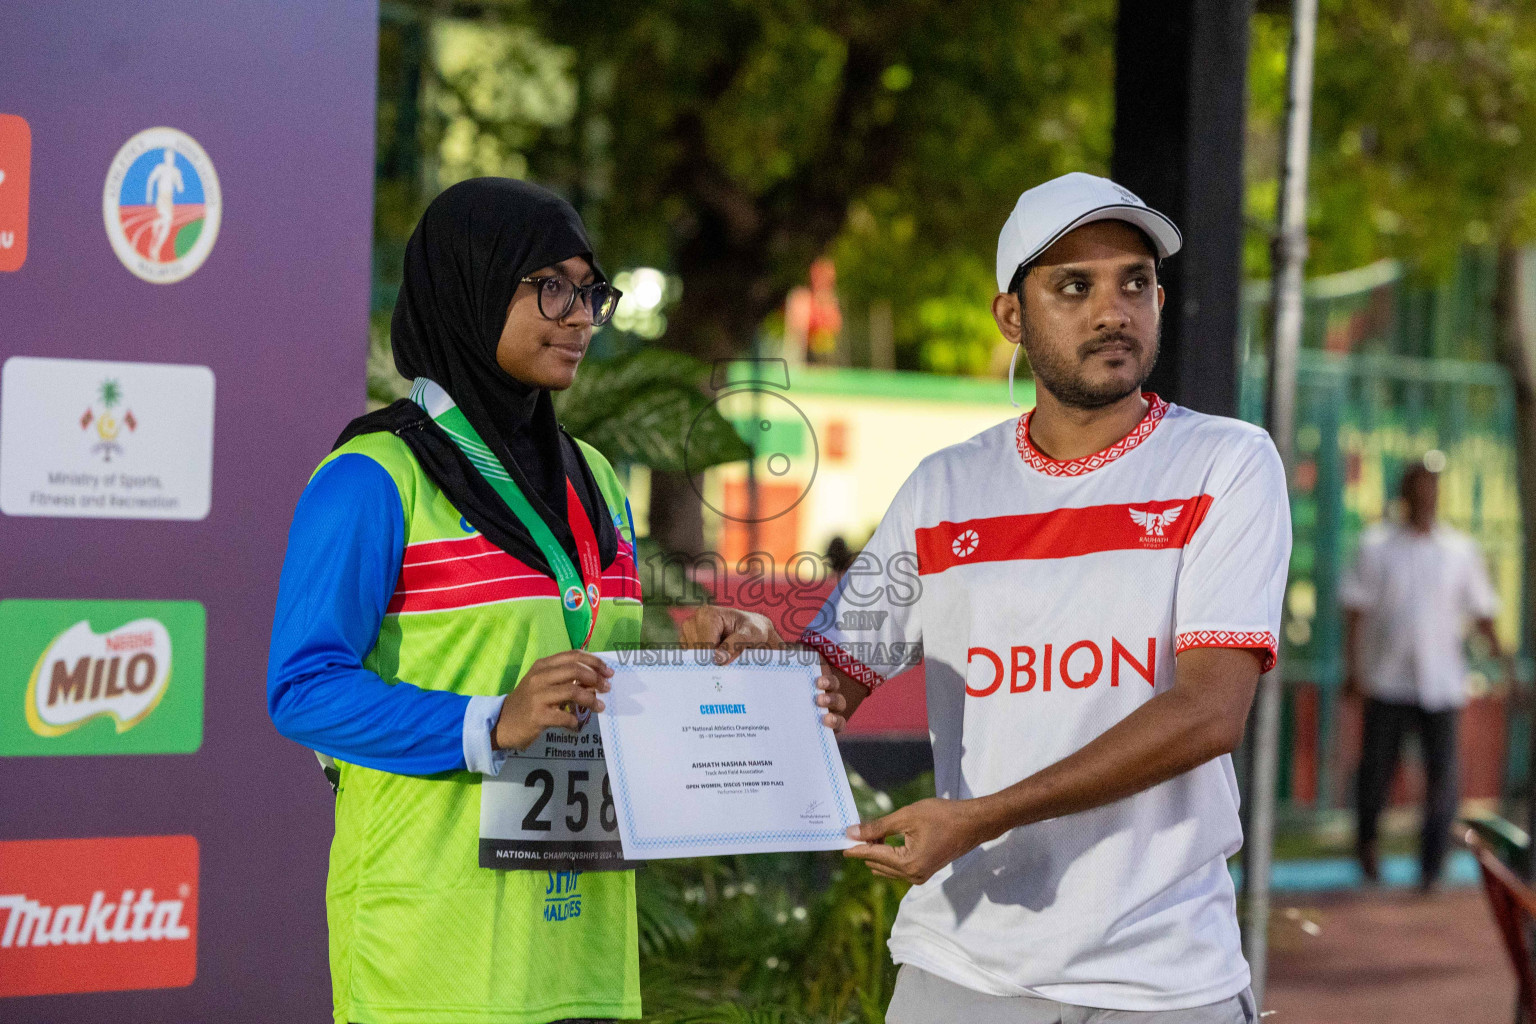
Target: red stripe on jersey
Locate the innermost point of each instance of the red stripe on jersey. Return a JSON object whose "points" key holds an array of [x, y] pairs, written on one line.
{"points": [[1061, 533], [1257, 640], [442, 575]]}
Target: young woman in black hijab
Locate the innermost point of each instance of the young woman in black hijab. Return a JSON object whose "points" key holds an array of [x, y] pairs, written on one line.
{"points": [[450, 568]]}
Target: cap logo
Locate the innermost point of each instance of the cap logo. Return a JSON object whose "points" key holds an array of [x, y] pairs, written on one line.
{"points": [[1127, 195]]}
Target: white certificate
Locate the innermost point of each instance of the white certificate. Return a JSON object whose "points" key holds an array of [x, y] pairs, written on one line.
{"points": [[712, 759]]}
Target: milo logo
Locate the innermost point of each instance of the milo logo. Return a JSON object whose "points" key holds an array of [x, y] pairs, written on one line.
{"points": [[121, 674], [101, 677]]}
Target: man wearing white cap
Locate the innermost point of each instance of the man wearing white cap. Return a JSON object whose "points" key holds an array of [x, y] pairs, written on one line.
{"points": [[1100, 587]]}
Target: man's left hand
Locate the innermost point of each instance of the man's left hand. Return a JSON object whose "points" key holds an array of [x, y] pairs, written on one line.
{"points": [[729, 631], [936, 832]]}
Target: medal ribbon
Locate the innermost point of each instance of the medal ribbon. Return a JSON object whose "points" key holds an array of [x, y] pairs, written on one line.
{"points": [[578, 603]]}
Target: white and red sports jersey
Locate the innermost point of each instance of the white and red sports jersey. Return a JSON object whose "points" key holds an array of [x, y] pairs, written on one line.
{"points": [[1049, 600]]}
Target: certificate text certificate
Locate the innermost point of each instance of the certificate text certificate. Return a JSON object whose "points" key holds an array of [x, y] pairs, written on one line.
{"points": [[716, 759]]}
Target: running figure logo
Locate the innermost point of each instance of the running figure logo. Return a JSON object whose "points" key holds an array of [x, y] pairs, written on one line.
{"points": [[164, 182], [162, 205], [1155, 522]]}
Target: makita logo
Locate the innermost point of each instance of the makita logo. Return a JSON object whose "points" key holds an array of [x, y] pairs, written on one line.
{"points": [[1075, 666], [97, 915], [136, 916]]}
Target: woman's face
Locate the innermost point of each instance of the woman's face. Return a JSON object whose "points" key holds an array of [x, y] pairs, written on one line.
{"points": [[546, 353]]}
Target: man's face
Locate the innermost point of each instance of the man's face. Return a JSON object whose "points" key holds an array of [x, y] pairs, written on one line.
{"points": [[1091, 316], [1421, 492]]}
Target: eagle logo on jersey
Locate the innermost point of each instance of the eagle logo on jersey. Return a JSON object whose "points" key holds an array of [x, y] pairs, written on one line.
{"points": [[1155, 522], [965, 543]]}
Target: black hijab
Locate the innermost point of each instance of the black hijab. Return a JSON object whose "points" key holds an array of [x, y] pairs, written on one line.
{"points": [[463, 263]]}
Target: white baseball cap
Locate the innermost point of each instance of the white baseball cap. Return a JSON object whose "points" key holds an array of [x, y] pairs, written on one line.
{"points": [[1050, 210]]}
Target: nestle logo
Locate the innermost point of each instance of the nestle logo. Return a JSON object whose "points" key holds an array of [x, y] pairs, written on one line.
{"points": [[97, 915], [131, 641]]}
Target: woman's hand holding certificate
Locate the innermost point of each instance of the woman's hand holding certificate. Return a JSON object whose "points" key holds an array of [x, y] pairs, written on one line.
{"points": [[712, 759], [549, 697]]}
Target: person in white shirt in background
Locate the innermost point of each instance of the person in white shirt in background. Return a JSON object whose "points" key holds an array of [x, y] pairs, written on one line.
{"points": [[1414, 588], [1094, 588]]}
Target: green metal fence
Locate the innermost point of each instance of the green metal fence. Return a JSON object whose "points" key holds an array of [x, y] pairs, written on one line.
{"points": [[1368, 403]]}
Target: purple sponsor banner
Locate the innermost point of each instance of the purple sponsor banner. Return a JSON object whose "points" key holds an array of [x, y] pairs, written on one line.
{"points": [[279, 96]]}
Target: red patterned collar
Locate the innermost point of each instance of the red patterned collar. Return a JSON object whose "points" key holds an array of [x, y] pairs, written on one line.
{"points": [[1156, 409]]}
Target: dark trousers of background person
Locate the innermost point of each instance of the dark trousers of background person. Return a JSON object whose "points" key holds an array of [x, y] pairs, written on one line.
{"points": [[1380, 746]]}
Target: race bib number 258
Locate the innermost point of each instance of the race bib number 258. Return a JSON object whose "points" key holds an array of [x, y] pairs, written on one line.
{"points": [[551, 806]]}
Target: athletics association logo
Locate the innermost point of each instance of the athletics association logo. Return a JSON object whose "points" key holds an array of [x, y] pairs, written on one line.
{"points": [[573, 597], [162, 205]]}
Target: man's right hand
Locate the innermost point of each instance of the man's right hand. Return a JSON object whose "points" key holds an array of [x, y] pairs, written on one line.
{"points": [[840, 696], [546, 697]]}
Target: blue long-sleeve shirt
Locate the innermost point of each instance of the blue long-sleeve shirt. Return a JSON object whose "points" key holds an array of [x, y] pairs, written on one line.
{"points": [[344, 553]]}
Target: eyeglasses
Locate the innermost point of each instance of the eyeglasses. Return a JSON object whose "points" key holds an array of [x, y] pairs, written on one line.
{"points": [[557, 297]]}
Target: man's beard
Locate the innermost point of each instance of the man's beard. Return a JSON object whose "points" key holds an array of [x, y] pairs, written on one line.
{"points": [[1066, 384]]}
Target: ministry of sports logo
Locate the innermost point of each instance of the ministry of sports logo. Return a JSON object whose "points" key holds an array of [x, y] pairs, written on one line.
{"points": [[107, 421], [162, 205]]}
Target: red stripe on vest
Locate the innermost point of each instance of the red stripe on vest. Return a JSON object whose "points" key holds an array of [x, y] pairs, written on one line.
{"points": [[487, 592], [1061, 533], [442, 575], [458, 572], [459, 547]]}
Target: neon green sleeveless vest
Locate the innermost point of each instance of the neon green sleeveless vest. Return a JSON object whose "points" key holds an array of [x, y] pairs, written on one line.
{"points": [[419, 933]]}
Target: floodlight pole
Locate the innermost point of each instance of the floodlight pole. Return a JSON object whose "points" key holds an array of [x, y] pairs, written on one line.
{"points": [[1290, 255]]}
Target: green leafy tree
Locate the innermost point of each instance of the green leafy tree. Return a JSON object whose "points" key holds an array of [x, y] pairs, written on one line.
{"points": [[1423, 143], [733, 143], [1424, 131]]}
